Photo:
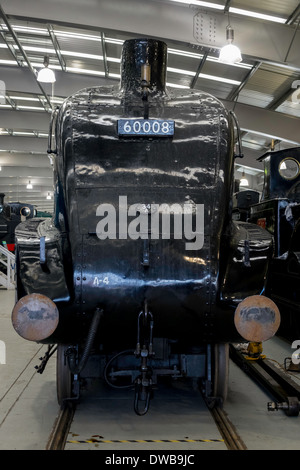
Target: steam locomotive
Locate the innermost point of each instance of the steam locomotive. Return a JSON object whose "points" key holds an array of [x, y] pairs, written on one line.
{"points": [[142, 272], [11, 214], [279, 213]]}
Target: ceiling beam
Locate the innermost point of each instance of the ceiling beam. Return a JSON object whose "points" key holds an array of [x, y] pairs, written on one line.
{"points": [[294, 15], [24, 120], [267, 122], [24, 159], [22, 51], [65, 85], [56, 47], [23, 144], [200, 67]]}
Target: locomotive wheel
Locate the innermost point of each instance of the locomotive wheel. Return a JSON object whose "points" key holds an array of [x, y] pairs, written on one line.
{"points": [[64, 377], [220, 370]]}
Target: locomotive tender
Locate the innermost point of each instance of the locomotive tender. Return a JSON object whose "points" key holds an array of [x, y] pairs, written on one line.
{"points": [[140, 271]]}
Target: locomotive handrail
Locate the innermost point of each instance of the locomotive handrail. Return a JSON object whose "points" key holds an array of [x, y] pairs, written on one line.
{"points": [[7, 279], [240, 154], [52, 121]]}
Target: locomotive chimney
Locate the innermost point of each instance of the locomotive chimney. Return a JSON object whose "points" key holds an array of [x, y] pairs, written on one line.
{"points": [[143, 60]]}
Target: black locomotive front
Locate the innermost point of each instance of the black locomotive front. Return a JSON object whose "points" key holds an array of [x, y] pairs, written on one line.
{"points": [[142, 251]]}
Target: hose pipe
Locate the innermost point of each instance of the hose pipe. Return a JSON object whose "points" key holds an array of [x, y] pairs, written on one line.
{"points": [[76, 369]]}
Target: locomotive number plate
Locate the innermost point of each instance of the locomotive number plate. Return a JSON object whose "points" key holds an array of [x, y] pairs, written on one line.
{"points": [[144, 127]]}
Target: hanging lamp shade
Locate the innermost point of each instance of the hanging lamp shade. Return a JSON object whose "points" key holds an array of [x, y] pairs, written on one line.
{"points": [[230, 54], [46, 75], [244, 181]]}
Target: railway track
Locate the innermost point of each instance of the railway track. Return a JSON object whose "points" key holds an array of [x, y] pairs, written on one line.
{"points": [[231, 438], [59, 434], [273, 380]]}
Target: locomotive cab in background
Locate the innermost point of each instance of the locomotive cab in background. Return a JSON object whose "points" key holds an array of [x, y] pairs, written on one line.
{"points": [[140, 271], [279, 213], [11, 214]]}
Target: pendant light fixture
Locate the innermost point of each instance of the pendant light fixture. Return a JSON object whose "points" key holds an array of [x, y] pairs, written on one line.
{"points": [[29, 185], [230, 54], [244, 181], [46, 75]]}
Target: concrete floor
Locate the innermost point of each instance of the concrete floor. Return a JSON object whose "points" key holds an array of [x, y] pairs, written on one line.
{"points": [[28, 407]]}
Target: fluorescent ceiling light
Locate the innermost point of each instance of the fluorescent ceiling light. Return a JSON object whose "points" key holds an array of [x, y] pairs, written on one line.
{"points": [[90, 72], [39, 64], [219, 79], [254, 14], [176, 85], [237, 11], [71, 53], [7, 62], [199, 3], [87, 37], [114, 75], [181, 71], [35, 108], [242, 65], [114, 41], [29, 29], [23, 98], [204, 75], [46, 50], [193, 55]]}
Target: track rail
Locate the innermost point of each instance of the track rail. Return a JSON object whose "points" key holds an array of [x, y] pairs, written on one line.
{"points": [[59, 433], [231, 438], [276, 381]]}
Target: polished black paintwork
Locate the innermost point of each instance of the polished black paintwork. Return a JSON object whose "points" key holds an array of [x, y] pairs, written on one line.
{"points": [[191, 293]]}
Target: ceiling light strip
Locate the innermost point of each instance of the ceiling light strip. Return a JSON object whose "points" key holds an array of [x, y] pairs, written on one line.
{"points": [[237, 11], [254, 14]]}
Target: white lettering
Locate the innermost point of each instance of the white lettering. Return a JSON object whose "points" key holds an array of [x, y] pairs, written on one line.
{"points": [[296, 354], [152, 221], [296, 93]]}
